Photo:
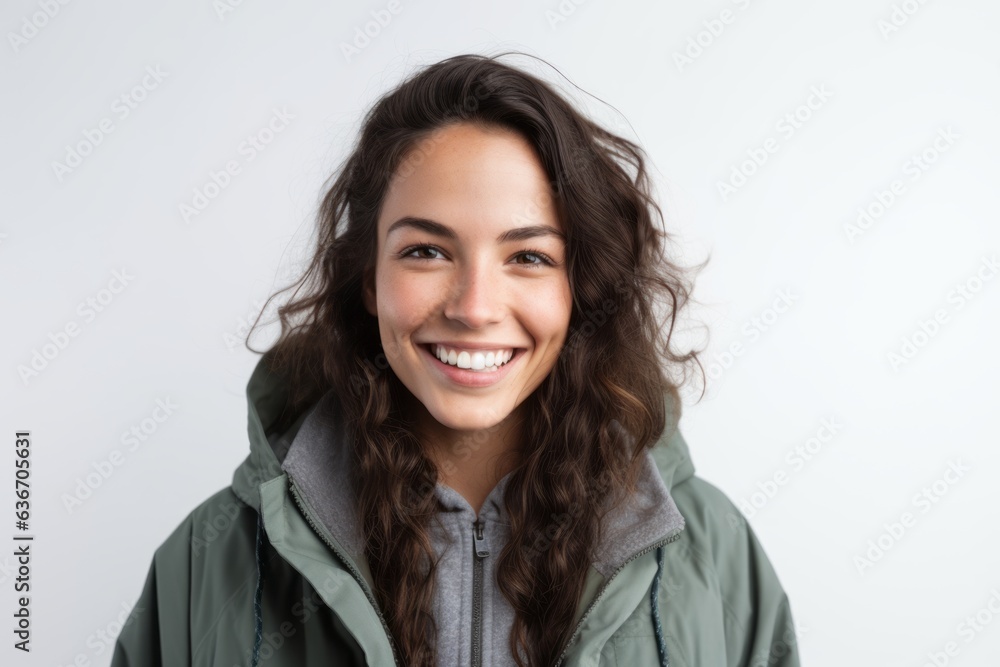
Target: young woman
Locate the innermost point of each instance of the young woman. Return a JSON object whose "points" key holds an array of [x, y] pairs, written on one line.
{"points": [[464, 446]]}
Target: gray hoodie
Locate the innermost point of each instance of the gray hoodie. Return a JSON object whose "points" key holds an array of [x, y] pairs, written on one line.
{"points": [[472, 615]]}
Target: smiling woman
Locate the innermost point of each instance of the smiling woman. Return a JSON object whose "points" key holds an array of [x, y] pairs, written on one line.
{"points": [[456, 285], [464, 446]]}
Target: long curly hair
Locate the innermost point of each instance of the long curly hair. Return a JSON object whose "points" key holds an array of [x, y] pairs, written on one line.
{"points": [[608, 396]]}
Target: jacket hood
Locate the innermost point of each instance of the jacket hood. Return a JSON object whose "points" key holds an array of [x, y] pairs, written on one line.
{"points": [[267, 394]]}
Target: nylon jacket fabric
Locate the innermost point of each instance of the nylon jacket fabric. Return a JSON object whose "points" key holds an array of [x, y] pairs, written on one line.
{"points": [[256, 556]]}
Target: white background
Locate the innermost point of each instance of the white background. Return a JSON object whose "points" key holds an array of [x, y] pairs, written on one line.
{"points": [[854, 298]]}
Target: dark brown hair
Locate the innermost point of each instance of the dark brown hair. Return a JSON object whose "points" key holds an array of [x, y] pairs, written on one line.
{"points": [[607, 397]]}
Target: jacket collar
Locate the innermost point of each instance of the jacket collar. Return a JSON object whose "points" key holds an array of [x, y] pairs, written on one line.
{"points": [[319, 465]]}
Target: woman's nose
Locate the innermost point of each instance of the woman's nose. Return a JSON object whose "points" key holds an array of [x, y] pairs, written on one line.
{"points": [[475, 298]]}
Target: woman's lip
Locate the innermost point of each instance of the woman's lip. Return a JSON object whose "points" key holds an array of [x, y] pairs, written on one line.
{"points": [[470, 378]]}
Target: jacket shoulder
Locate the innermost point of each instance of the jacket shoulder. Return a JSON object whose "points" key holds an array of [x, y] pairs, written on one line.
{"points": [[208, 558], [721, 549], [720, 536], [708, 512], [221, 528]]}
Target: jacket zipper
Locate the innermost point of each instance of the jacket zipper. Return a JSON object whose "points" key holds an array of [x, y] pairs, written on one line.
{"points": [[480, 550], [350, 566], [656, 545]]}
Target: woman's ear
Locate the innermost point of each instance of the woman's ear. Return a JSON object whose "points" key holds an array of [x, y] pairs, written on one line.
{"points": [[368, 292]]}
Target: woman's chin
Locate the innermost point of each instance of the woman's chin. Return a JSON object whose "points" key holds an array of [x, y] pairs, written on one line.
{"points": [[466, 414], [468, 423]]}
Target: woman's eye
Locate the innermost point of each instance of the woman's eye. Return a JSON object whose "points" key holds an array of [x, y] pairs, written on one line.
{"points": [[534, 258], [422, 252]]}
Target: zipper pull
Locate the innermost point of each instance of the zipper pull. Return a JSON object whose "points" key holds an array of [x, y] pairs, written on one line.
{"points": [[482, 548]]}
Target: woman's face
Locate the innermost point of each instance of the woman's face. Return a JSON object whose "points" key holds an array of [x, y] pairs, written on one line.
{"points": [[471, 267]]}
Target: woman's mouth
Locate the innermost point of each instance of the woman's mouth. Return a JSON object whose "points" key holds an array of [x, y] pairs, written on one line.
{"points": [[487, 361], [472, 367]]}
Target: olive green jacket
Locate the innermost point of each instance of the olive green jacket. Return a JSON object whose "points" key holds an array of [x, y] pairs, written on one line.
{"points": [[251, 577]]}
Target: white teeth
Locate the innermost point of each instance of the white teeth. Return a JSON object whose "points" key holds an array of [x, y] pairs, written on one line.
{"points": [[477, 361]]}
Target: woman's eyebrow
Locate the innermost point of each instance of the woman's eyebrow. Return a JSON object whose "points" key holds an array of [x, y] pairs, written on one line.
{"points": [[438, 229]]}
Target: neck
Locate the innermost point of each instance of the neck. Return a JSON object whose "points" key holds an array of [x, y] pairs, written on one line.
{"points": [[472, 462]]}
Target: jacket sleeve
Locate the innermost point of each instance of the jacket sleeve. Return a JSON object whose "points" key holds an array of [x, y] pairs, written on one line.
{"points": [[157, 632], [759, 626]]}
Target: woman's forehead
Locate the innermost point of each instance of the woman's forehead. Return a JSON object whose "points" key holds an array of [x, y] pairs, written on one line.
{"points": [[466, 173]]}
